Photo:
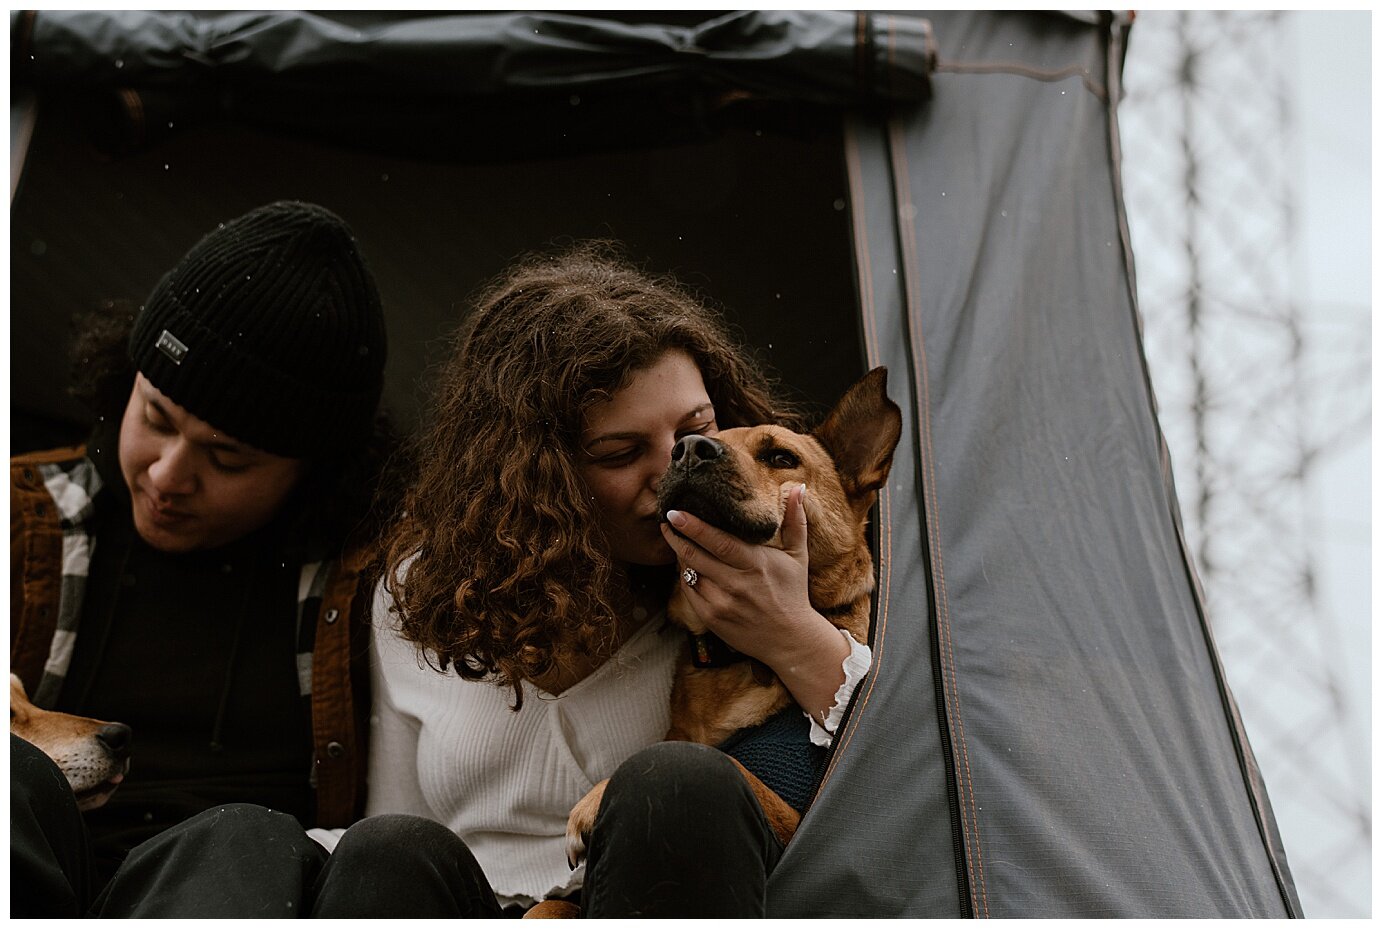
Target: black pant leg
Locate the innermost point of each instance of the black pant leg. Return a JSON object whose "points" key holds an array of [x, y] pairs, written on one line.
{"points": [[50, 858], [237, 860], [396, 865], [679, 834]]}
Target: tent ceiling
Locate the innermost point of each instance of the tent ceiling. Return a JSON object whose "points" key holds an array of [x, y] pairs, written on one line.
{"points": [[447, 85]]}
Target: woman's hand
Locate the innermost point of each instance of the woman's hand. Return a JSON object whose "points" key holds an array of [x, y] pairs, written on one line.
{"points": [[755, 598]]}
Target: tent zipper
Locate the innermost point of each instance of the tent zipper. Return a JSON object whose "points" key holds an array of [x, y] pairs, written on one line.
{"points": [[952, 792]]}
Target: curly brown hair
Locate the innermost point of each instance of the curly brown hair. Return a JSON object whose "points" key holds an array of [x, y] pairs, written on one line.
{"points": [[498, 564]]}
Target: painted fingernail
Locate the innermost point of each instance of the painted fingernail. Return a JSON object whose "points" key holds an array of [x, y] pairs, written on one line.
{"points": [[676, 518]]}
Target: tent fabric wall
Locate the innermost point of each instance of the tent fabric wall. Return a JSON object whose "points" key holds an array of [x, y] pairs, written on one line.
{"points": [[1097, 767], [1046, 730]]}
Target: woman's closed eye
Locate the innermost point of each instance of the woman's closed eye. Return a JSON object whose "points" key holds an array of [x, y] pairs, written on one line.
{"points": [[617, 457], [705, 428]]}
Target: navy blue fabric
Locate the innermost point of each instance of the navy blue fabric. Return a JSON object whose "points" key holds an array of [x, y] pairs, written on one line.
{"points": [[779, 752]]}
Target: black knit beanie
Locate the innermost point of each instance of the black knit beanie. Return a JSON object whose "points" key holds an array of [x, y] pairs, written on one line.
{"points": [[271, 330]]}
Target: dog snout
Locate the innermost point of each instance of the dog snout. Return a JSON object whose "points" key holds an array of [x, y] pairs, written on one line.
{"points": [[116, 737], [692, 450]]}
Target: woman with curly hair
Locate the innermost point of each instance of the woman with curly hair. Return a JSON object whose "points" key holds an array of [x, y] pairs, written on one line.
{"points": [[521, 649]]}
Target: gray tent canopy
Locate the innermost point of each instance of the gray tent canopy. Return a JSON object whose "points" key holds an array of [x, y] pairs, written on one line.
{"points": [[471, 87], [1046, 730]]}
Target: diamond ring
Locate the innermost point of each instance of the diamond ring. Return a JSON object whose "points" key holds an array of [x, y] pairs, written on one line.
{"points": [[690, 576]]}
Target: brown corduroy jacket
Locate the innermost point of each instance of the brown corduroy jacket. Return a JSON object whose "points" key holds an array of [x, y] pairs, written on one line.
{"points": [[340, 654]]}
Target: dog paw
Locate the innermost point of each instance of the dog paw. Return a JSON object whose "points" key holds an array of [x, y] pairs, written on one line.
{"points": [[580, 822]]}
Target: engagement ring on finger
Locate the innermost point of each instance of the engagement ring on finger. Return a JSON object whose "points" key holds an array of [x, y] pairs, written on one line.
{"points": [[690, 576]]}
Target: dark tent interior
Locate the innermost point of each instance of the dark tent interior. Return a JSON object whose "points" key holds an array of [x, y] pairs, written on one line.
{"points": [[752, 218]]}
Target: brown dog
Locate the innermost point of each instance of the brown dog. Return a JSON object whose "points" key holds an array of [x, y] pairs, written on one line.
{"points": [[738, 481], [93, 755]]}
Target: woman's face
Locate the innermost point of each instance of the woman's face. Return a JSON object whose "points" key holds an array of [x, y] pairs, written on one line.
{"points": [[626, 445]]}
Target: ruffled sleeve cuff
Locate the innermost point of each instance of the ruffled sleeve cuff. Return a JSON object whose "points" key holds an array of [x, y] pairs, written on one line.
{"points": [[856, 665]]}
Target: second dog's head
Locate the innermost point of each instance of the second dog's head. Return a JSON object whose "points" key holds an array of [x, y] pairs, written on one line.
{"points": [[739, 480], [92, 754]]}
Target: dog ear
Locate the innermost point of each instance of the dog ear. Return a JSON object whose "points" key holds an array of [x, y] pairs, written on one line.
{"points": [[861, 434]]}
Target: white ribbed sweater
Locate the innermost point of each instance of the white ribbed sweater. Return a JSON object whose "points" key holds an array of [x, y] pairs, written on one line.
{"points": [[453, 751]]}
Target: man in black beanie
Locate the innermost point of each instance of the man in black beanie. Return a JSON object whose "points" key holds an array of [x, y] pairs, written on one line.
{"points": [[197, 570]]}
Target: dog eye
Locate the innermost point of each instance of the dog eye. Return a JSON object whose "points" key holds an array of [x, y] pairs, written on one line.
{"points": [[779, 458]]}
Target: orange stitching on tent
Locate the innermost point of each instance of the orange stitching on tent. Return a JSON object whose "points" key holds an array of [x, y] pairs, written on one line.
{"points": [[928, 462]]}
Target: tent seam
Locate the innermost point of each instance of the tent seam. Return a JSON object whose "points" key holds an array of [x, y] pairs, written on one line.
{"points": [[979, 890], [1038, 74], [867, 308]]}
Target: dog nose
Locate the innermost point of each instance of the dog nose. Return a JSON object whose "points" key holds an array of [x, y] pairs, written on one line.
{"points": [[116, 737], [691, 450]]}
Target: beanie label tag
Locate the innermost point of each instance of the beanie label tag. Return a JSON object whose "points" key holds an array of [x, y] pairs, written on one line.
{"points": [[169, 345]]}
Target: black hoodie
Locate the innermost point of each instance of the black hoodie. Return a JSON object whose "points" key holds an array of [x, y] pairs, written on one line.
{"points": [[196, 652]]}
